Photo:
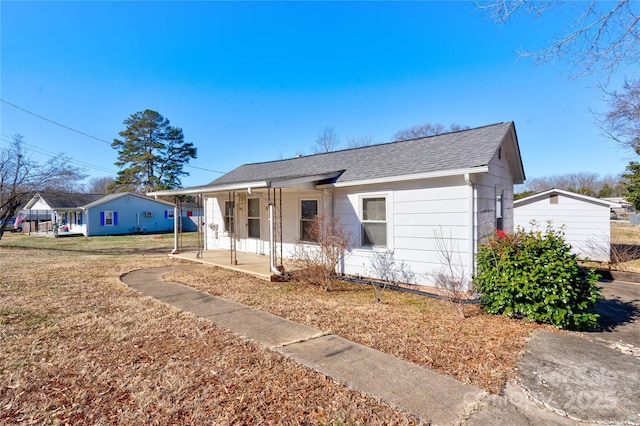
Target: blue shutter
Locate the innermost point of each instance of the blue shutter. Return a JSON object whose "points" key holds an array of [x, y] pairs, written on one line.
{"points": [[101, 218], [115, 218], [166, 214]]}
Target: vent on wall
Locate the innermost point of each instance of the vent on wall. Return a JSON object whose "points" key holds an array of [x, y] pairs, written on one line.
{"points": [[148, 213]]}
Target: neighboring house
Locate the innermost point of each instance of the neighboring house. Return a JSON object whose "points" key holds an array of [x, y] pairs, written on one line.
{"points": [[585, 220], [102, 214], [399, 197], [190, 215]]}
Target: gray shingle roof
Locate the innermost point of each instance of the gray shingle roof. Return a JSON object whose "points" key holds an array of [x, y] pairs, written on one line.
{"points": [[450, 151], [69, 200]]}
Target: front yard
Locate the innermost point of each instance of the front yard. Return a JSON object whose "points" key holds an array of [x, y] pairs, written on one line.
{"points": [[77, 346]]}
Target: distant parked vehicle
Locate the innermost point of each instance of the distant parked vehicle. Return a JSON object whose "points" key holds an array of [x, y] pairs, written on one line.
{"points": [[13, 224]]}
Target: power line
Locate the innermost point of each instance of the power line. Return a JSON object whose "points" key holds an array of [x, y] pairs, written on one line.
{"points": [[206, 170], [88, 135], [51, 154], [55, 122]]}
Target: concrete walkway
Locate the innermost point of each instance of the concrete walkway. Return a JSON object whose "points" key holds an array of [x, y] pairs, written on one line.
{"points": [[435, 398]]}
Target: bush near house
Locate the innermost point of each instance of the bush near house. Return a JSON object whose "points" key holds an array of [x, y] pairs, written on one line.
{"points": [[533, 275]]}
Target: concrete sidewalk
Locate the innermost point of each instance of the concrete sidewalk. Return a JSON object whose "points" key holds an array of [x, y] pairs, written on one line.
{"points": [[433, 397]]}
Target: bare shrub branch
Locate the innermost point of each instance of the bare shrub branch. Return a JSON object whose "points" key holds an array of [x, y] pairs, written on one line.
{"points": [[453, 279], [388, 270], [322, 251], [618, 254]]}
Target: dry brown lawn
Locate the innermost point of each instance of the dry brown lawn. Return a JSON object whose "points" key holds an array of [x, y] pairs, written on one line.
{"points": [[79, 347], [625, 233]]}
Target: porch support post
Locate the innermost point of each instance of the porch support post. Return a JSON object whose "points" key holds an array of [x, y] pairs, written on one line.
{"points": [[472, 234], [176, 212], [272, 249]]}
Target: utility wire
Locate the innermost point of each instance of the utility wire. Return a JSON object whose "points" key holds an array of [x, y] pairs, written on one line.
{"points": [[51, 154], [86, 134], [55, 122]]}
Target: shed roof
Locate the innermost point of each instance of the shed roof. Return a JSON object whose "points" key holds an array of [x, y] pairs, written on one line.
{"points": [[556, 191]]}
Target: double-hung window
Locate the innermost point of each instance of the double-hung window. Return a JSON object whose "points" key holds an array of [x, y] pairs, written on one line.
{"points": [[308, 213], [108, 218], [254, 217], [228, 217], [374, 222]]}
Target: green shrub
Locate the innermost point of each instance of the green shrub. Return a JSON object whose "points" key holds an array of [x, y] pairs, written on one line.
{"points": [[533, 275]]}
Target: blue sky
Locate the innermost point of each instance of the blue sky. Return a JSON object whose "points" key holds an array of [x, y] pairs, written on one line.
{"points": [[258, 81]]}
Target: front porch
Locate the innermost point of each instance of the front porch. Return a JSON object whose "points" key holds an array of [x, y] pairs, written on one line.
{"points": [[249, 263]]}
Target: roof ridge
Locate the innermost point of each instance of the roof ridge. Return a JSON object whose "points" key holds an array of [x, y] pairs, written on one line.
{"points": [[317, 154]]}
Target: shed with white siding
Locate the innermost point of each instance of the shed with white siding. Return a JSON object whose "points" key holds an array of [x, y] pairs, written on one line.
{"points": [[585, 220], [402, 198]]}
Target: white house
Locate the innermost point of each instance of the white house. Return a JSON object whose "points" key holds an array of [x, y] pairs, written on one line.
{"points": [[585, 220], [102, 214], [399, 196]]}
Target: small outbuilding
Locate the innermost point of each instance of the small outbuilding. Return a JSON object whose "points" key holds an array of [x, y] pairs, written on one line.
{"points": [[585, 220]]}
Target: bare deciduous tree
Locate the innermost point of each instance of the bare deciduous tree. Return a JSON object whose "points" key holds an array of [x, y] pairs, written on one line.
{"points": [[584, 183], [603, 35], [99, 185], [622, 122], [359, 141], [327, 141], [21, 177], [424, 130]]}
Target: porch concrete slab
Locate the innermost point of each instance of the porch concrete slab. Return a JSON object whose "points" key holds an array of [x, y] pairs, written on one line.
{"points": [[433, 397], [254, 264], [257, 265]]}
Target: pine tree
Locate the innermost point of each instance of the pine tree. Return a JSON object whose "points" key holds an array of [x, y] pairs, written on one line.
{"points": [[151, 154], [632, 185]]}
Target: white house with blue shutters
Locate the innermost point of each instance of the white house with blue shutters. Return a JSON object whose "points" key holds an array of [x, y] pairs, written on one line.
{"points": [[403, 198], [104, 214]]}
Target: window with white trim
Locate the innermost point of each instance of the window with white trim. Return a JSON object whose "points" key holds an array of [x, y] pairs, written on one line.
{"points": [[253, 222], [308, 214], [108, 218], [374, 222], [228, 216]]}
